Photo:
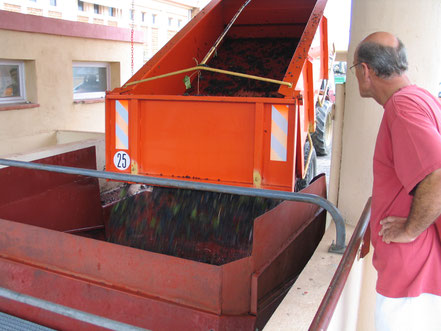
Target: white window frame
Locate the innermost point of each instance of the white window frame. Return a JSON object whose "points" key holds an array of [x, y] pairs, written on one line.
{"points": [[22, 85], [92, 95]]}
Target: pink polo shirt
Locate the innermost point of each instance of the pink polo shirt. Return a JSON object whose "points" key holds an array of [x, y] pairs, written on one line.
{"points": [[408, 148]]}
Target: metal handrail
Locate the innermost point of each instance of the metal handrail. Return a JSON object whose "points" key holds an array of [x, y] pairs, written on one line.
{"points": [[327, 307], [337, 247], [67, 311]]}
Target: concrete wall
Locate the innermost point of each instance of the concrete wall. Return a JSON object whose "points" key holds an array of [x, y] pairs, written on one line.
{"points": [[48, 57]]}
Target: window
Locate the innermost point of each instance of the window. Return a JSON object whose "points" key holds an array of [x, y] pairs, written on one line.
{"points": [[111, 11], [33, 0], [153, 18], [170, 21], [90, 80], [132, 14], [96, 9], [12, 84], [53, 2], [80, 5], [143, 17], [179, 23]]}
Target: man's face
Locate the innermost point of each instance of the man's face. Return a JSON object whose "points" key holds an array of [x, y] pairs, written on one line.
{"points": [[363, 86]]}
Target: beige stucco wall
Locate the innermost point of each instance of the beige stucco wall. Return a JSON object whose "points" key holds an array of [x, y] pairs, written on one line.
{"points": [[48, 60]]}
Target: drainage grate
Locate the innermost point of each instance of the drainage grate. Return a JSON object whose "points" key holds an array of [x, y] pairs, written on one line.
{"points": [[12, 323]]}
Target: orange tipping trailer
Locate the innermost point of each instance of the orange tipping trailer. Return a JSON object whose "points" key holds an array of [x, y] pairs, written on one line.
{"points": [[230, 99]]}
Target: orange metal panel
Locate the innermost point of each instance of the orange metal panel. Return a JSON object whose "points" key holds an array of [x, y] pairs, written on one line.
{"points": [[212, 139], [134, 136], [258, 145], [198, 140], [301, 54], [324, 54], [300, 143], [306, 116], [309, 99]]}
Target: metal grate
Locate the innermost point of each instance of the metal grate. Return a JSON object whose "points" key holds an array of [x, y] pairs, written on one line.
{"points": [[12, 323]]}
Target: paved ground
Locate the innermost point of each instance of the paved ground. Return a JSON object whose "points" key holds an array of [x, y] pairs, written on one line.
{"points": [[323, 166]]}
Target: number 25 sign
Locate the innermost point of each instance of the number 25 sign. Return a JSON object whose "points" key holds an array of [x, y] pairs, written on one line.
{"points": [[121, 160]]}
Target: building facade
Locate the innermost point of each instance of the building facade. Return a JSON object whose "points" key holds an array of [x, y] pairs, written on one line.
{"points": [[58, 59], [158, 19]]}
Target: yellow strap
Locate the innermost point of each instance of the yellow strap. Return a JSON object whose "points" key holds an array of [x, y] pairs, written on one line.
{"points": [[226, 72]]}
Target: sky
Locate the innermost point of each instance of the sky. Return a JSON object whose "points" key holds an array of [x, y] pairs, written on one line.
{"points": [[338, 13]]}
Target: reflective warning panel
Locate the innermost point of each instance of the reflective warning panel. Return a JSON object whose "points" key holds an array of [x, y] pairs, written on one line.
{"points": [[122, 124], [279, 132]]}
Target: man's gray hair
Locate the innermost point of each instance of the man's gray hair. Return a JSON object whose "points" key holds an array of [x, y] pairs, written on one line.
{"points": [[385, 61]]}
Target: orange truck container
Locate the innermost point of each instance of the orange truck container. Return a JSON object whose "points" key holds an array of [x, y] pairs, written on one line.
{"points": [[226, 128]]}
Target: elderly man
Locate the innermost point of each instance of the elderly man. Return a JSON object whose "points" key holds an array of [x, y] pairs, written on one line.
{"points": [[406, 197]]}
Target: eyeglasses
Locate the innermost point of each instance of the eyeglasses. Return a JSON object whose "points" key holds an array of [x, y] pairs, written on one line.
{"points": [[352, 67]]}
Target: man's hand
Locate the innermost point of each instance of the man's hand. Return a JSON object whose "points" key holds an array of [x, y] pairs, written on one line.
{"points": [[394, 230]]}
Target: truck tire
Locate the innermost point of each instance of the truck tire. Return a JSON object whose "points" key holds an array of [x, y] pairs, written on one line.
{"points": [[322, 137], [312, 169]]}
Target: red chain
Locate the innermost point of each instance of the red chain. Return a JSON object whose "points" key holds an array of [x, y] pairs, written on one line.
{"points": [[131, 39], [132, 33]]}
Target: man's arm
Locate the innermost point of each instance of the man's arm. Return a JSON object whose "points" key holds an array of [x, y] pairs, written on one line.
{"points": [[425, 209]]}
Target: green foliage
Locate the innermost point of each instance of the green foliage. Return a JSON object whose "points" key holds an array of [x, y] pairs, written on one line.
{"points": [[187, 82]]}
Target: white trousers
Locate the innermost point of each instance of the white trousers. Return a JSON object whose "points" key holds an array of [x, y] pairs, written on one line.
{"points": [[422, 313]]}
